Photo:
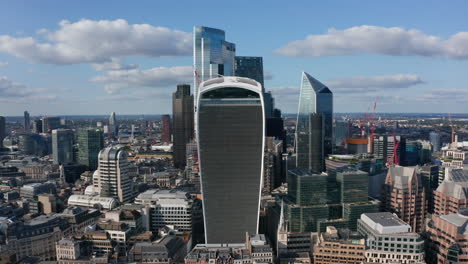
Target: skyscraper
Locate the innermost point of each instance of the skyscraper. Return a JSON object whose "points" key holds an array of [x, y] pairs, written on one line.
{"points": [[212, 55], [62, 146], [50, 123], [26, 124], [2, 130], [315, 98], [250, 67], [230, 133], [113, 127], [166, 129], [90, 142], [113, 180], [434, 138], [182, 121], [37, 126]]}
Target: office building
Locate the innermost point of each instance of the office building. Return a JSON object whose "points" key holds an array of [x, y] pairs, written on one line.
{"points": [[37, 126], [170, 207], [166, 131], [26, 122], [62, 145], [231, 134], [47, 203], [452, 194], [430, 179], [113, 126], [90, 142], [32, 190], [182, 117], [2, 130], [113, 177], [434, 138], [252, 250], [339, 246], [403, 194], [68, 249], [50, 123], [315, 98], [390, 240], [448, 238], [384, 148], [250, 67], [352, 185], [33, 144], [92, 201], [213, 56]]}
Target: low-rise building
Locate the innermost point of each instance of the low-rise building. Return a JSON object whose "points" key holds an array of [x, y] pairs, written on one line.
{"points": [[339, 246], [68, 248], [389, 239], [88, 201]]}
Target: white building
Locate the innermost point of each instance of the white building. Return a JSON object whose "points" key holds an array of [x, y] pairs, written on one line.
{"points": [[113, 177], [89, 201], [170, 207], [390, 240], [68, 249]]}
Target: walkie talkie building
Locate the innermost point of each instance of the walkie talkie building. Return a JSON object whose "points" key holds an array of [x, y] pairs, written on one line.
{"points": [[230, 131]]}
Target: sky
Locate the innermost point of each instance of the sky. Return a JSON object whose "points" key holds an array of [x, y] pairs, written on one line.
{"points": [[96, 57]]}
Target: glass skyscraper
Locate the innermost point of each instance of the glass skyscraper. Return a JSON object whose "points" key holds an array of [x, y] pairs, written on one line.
{"points": [[230, 135], [182, 121], [62, 146], [250, 67], [315, 98], [90, 142], [212, 55]]}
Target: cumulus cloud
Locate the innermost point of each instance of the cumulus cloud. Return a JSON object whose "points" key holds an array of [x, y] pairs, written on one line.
{"points": [[393, 41], [89, 41], [3, 64], [373, 83], [116, 80]]}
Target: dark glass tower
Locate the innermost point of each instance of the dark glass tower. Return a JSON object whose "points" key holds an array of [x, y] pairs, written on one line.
{"points": [[230, 132], [315, 98], [62, 146], [2, 130], [27, 120], [166, 131], [250, 67], [90, 142], [182, 114]]}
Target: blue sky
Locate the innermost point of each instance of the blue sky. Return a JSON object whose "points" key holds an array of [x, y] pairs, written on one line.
{"points": [[95, 57]]}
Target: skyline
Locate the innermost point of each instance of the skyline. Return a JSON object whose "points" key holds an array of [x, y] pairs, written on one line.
{"points": [[50, 61]]}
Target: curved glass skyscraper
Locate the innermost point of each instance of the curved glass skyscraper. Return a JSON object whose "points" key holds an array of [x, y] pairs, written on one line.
{"points": [[315, 98], [230, 131]]}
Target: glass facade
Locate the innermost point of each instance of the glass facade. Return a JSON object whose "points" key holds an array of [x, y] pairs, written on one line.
{"points": [[90, 142], [306, 187], [314, 98], [353, 185], [212, 55], [62, 146], [250, 67], [230, 132]]}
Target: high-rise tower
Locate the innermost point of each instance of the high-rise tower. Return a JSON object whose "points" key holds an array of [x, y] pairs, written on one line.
{"points": [[62, 145], [182, 123], [315, 98], [212, 55], [113, 179], [113, 127], [2, 130], [27, 120], [230, 132], [166, 132], [90, 142]]}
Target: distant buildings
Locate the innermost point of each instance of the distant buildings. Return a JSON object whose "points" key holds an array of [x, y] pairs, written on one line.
{"points": [[385, 146], [166, 134], [50, 123], [448, 238], [390, 240], [62, 145], [90, 142], [434, 138], [182, 117], [314, 123], [26, 122], [2, 130], [113, 178], [230, 131], [403, 194], [113, 126], [37, 126]]}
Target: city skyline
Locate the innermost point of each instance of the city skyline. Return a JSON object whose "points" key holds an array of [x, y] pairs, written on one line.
{"points": [[48, 60]]}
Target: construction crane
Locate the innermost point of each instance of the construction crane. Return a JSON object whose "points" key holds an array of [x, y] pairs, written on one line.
{"points": [[394, 159]]}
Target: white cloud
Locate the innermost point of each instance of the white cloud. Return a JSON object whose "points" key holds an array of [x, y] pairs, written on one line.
{"points": [[3, 64], [14, 92], [116, 80], [394, 41], [90, 41], [373, 83]]}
